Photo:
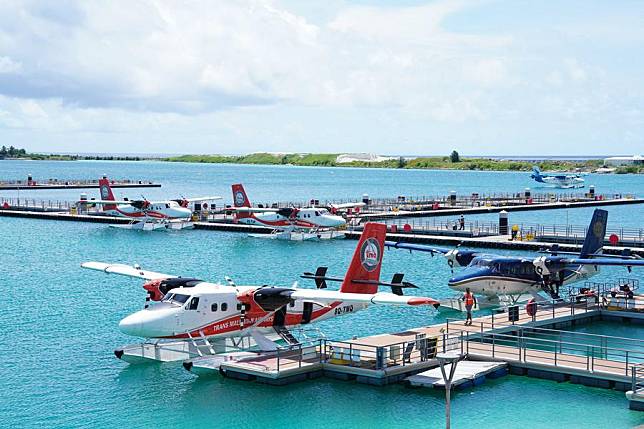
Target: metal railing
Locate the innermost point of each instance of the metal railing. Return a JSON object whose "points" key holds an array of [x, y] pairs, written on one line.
{"points": [[637, 379], [70, 182], [544, 310], [378, 357], [556, 352]]}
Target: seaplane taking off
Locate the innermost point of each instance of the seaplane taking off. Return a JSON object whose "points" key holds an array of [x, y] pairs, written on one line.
{"points": [[288, 223], [146, 214], [503, 280], [563, 180], [190, 309]]}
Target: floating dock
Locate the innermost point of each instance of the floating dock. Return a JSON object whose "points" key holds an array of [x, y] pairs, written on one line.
{"points": [[495, 242], [497, 208], [533, 345], [35, 185], [467, 374]]}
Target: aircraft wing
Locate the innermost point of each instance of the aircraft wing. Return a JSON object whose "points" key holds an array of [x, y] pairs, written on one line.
{"points": [[346, 205], [418, 247], [614, 262], [103, 202], [383, 298], [251, 210], [125, 270], [192, 200]]}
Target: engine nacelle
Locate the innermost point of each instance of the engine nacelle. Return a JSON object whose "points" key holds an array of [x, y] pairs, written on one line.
{"points": [[158, 288], [540, 266]]}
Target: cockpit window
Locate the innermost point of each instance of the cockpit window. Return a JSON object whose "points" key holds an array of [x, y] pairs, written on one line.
{"points": [[194, 303], [179, 298], [176, 298], [317, 213]]}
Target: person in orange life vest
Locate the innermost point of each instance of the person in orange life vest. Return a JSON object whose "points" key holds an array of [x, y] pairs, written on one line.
{"points": [[470, 301]]}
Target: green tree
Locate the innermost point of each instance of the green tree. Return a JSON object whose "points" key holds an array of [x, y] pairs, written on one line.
{"points": [[402, 162], [454, 157]]}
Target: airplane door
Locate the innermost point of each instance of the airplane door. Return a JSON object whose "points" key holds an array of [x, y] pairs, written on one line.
{"points": [[280, 316], [307, 312]]}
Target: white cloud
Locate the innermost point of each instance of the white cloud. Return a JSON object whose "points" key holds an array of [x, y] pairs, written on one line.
{"points": [[7, 65], [258, 71]]}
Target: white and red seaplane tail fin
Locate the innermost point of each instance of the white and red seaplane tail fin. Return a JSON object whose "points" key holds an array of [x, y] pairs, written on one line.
{"points": [[366, 262], [240, 199], [106, 193]]}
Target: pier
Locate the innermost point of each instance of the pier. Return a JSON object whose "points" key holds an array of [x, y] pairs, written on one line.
{"points": [[483, 209], [35, 185], [448, 238], [533, 345]]}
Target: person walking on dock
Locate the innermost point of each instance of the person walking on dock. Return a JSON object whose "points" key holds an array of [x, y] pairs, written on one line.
{"points": [[470, 301], [461, 223]]}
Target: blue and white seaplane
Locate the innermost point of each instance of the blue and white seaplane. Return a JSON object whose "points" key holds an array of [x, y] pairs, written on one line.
{"points": [[504, 280], [562, 180]]}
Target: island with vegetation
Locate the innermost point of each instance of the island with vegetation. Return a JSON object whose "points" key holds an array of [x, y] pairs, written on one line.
{"points": [[454, 161]]}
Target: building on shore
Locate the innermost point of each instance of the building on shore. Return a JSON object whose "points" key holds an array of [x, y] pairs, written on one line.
{"points": [[624, 160]]}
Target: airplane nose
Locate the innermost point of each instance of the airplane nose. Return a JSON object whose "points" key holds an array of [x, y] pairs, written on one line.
{"points": [[339, 221], [148, 324], [131, 325]]}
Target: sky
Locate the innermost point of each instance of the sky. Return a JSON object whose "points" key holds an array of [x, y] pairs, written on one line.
{"points": [[399, 77]]}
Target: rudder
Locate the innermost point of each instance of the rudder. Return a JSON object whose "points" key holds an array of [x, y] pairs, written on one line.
{"points": [[594, 240], [106, 193], [367, 260]]}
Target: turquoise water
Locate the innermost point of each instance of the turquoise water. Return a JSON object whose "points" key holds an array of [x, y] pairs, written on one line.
{"points": [[61, 322]]}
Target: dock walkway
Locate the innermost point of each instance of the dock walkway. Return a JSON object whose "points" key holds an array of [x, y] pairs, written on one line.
{"points": [[497, 208]]}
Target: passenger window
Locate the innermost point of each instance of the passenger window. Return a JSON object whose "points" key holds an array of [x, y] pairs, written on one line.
{"points": [[213, 307], [194, 303], [291, 304], [239, 307], [224, 306], [317, 213]]}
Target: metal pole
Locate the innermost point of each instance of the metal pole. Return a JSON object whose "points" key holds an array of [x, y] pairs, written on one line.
{"points": [[448, 388]]}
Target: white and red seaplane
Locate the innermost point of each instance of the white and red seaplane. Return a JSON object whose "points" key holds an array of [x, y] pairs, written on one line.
{"points": [[290, 223], [192, 316], [146, 214]]}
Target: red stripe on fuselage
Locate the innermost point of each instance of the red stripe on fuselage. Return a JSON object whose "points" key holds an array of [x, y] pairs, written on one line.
{"points": [[233, 323], [141, 214]]}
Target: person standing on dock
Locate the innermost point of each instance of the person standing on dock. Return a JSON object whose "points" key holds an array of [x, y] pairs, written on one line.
{"points": [[461, 223], [470, 301]]}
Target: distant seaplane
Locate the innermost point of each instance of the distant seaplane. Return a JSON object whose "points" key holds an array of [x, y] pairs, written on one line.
{"points": [[563, 180], [146, 214], [290, 223], [505, 279], [190, 309]]}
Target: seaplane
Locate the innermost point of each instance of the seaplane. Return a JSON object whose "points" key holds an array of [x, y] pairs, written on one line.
{"points": [[191, 317], [563, 180], [290, 223], [506, 280], [145, 214]]}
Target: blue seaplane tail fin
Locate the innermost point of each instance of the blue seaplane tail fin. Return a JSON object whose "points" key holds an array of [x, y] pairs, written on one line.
{"points": [[594, 240], [536, 174]]}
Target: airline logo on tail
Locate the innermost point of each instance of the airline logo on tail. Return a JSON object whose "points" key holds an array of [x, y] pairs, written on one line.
{"points": [[240, 199], [366, 262], [106, 193], [370, 254]]}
